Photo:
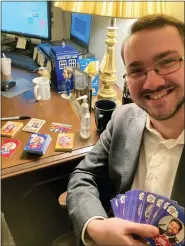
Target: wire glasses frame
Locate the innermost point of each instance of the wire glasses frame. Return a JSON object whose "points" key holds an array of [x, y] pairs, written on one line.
{"points": [[162, 68]]}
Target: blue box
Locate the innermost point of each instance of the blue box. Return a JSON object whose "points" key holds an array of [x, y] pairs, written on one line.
{"points": [[91, 67], [63, 57]]}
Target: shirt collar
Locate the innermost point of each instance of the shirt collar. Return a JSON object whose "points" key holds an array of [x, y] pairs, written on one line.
{"points": [[168, 142]]}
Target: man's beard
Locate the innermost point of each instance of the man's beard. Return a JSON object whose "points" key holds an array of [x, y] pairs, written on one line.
{"points": [[168, 116]]}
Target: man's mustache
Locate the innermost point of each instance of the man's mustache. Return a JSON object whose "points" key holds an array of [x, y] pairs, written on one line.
{"points": [[160, 88]]}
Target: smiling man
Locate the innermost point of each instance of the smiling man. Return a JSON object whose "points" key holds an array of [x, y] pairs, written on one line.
{"points": [[143, 144]]}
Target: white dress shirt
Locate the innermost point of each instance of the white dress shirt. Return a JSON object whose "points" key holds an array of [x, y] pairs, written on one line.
{"points": [[158, 162]]}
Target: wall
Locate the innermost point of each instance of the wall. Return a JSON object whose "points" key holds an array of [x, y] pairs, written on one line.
{"points": [[176, 9]]}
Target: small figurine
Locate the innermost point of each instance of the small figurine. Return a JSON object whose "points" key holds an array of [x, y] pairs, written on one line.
{"points": [[67, 74]]}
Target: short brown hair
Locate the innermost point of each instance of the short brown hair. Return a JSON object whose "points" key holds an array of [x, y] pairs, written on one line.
{"points": [[154, 21]]}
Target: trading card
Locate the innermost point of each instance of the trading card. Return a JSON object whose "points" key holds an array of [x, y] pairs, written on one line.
{"points": [[38, 143], [115, 207], [10, 128], [130, 202], [138, 205], [9, 146], [171, 227], [64, 142], [147, 207], [60, 128], [159, 201], [33, 125], [163, 208], [121, 204]]}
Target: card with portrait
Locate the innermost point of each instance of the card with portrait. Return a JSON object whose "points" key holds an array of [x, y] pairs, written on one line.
{"points": [[34, 125], [38, 143], [11, 128], [171, 227], [64, 142], [9, 146], [60, 128]]}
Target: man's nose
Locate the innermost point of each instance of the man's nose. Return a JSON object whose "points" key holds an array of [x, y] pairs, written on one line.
{"points": [[153, 80]]}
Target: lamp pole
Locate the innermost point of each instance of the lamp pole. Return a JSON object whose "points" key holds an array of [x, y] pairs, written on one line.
{"points": [[107, 75]]}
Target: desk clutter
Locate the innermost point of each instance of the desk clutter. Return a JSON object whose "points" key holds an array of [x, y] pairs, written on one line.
{"points": [[37, 143], [149, 208]]}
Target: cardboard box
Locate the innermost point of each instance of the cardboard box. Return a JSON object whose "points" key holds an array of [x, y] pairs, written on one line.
{"points": [[91, 67], [63, 57]]}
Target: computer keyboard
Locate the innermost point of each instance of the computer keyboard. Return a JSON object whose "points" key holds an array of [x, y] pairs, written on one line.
{"points": [[22, 61]]}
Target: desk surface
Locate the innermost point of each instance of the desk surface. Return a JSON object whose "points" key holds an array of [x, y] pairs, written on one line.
{"points": [[55, 109]]}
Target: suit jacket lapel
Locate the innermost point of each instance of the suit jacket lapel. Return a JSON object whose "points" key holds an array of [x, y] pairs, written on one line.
{"points": [[133, 141], [178, 187]]}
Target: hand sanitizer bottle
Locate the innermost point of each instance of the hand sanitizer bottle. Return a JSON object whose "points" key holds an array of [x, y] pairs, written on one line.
{"points": [[85, 120]]}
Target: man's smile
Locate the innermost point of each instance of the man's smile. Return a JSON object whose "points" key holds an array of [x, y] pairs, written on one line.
{"points": [[158, 95]]}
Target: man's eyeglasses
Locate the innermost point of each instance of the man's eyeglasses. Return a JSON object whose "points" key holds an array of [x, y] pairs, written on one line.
{"points": [[162, 68]]}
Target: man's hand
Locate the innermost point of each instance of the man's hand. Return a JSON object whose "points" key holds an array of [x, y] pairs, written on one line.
{"points": [[116, 231]]}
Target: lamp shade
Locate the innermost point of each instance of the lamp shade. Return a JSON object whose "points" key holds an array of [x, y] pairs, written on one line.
{"points": [[121, 9]]}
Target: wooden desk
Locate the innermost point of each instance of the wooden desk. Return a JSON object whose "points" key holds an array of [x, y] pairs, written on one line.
{"points": [[55, 109]]}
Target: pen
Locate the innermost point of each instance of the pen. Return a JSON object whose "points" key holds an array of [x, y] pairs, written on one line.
{"points": [[16, 118]]}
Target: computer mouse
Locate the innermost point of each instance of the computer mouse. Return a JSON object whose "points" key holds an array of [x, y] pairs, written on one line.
{"points": [[7, 85]]}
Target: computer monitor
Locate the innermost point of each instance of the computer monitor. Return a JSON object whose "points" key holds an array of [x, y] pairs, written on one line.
{"points": [[81, 29], [28, 19]]}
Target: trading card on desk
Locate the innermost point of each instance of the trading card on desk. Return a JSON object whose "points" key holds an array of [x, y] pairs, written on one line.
{"points": [[38, 143], [121, 204], [147, 207], [60, 128], [171, 227], [10, 128], [115, 207], [9, 146], [64, 142], [33, 125]]}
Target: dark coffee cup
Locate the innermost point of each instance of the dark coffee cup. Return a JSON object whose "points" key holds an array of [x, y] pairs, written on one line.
{"points": [[103, 109]]}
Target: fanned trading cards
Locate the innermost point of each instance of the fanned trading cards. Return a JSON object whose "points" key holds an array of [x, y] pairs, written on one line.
{"points": [[10, 128], [150, 208], [9, 146], [60, 128], [33, 125], [38, 143]]}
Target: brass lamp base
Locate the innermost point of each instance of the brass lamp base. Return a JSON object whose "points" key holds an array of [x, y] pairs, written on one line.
{"points": [[108, 93]]}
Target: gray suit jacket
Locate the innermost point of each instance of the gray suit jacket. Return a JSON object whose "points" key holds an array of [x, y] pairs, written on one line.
{"points": [[109, 168]]}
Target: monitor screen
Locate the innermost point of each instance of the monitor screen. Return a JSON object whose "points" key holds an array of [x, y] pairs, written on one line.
{"points": [[28, 19], [81, 27]]}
